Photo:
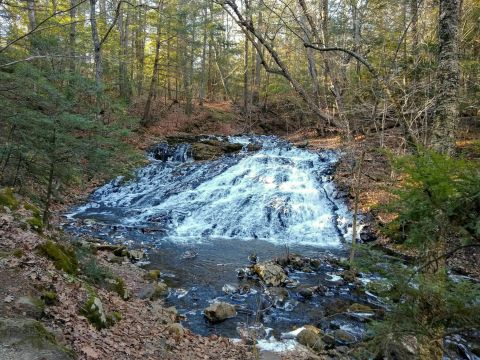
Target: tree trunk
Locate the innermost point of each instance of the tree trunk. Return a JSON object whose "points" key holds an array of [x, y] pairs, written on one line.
{"points": [[448, 74], [140, 50], [72, 36], [32, 22], [51, 174], [97, 56], [258, 66], [153, 82], [124, 84], [204, 55], [246, 85]]}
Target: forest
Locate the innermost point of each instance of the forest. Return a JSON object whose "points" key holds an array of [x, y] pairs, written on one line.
{"points": [[240, 179]]}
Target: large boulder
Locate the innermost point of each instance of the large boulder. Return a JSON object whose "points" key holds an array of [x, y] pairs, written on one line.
{"points": [[270, 273], [26, 339], [219, 311]]}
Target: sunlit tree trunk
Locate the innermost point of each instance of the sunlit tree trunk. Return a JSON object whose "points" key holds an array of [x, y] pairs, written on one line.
{"points": [[448, 78], [97, 51]]}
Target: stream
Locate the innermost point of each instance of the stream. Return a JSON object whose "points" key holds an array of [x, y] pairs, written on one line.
{"points": [[202, 221]]}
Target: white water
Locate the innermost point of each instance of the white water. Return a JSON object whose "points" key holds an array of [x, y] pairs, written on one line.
{"points": [[281, 194]]}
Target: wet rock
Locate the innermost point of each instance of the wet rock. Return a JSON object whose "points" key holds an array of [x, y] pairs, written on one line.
{"points": [[153, 291], [135, 255], [343, 337], [229, 289], [399, 348], [176, 329], [279, 295], [349, 275], [250, 334], [367, 234], [311, 337], [27, 339], [213, 149], [306, 293], [153, 275], [270, 273], [219, 311], [336, 306], [360, 308], [253, 147]]}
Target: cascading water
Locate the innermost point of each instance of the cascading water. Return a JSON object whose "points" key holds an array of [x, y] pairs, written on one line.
{"points": [[277, 199], [280, 194]]}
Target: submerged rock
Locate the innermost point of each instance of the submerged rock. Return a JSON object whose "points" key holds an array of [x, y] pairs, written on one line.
{"points": [[270, 273], [219, 311]]}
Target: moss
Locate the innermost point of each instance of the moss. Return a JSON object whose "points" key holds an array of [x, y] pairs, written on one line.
{"points": [[49, 297], [95, 273], [153, 275], [120, 288], [63, 258], [7, 199], [36, 223], [113, 318], [18, 253], [94, 315]]}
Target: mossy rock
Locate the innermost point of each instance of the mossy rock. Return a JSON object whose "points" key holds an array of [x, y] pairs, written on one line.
{"points": [[7, 199], [153, 275], [377, 287], [49, 297], [63, 258], [120, 288], [28, 339], [311, 338], [36, 223], [360, 308], [93, 311]]}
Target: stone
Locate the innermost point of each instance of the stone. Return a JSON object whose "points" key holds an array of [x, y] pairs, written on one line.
{"points": [[360, 308], [270, 273], [176, 329], [153, 291], [343, 337], [30, 306], [279, 294], [250, 334], [24, 339], [93, 311], [306, 293], [219, 311], [153, 275], [114, 259], [310, 337], [135, 255], [349, 275]]}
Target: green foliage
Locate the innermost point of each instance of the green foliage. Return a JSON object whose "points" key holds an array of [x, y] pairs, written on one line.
{"points": [[7, 198], [438, 194], [63, 257], [94, 272]]}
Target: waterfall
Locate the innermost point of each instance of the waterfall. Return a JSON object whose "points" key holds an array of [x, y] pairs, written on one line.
{"points": [[281, 194]]}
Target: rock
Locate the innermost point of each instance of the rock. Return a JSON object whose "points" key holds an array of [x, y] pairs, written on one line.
{"points": [[349, 275], [176, 329], [153, 291], [30, 306], [229, 289], [250, 334], [112, 258], [399, 348], [219, 311], [279, 295], [306, 293], [153, 275], [360, 308], [172, 313], [271, 274], [253, 147], [311, 337], [343, 337], [93, 311], [135, 255], [336, 306], [25, 339]]}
